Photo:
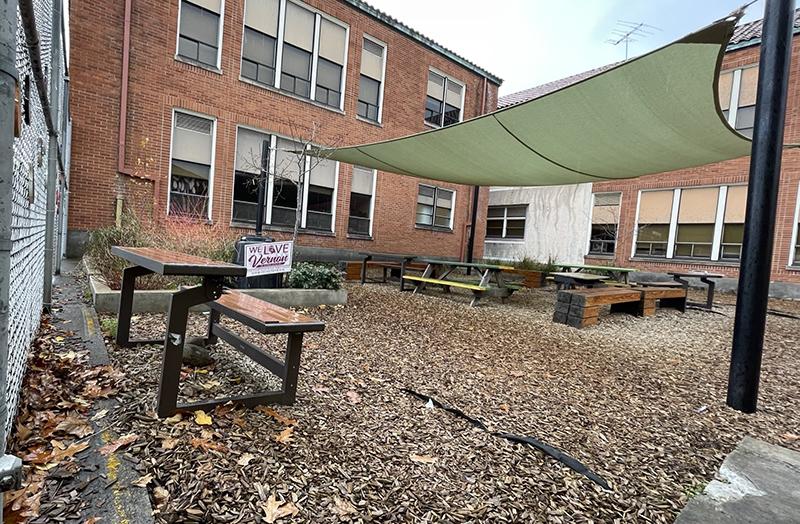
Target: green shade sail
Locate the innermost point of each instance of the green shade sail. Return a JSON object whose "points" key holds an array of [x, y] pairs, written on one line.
{"points": [[655, 113]]}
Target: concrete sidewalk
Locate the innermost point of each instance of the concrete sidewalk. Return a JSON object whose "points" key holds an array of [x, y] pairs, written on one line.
{"points": [[757, 482]]}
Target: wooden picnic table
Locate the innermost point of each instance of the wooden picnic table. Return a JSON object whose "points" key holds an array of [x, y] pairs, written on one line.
{"points": [[705, 277], [620, 274], [437, 271], [387, 262], [573, 279]]}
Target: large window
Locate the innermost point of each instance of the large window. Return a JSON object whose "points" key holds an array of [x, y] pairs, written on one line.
{"points": [[435, 207], [605, 221], [260, 45], [370, 89], [286, 177], [199, 31], [362, 201], [652, 232], [307, 58], [737, 97], [252, 169], [444, 101], [506, 222], [191, 165], [697, 216], [321, 195]]}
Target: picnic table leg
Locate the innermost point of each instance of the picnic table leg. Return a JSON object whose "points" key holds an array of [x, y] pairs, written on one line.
{"points": [[294, 346], [213, 318], [364, 269], [402, 274], [125, 311], [710, 297], [172, 359]]}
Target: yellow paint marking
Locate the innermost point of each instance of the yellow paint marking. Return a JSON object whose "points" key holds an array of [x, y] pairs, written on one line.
{"points": [[112, 470], [90, 327]]}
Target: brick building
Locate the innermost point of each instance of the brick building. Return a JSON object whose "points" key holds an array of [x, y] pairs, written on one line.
{"points": [[688, 219], [177, 105]]}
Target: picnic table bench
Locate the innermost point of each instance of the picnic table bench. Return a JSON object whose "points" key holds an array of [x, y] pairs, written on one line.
{"points": [[398, 264], [573, 279], [707, 278], [581, 307], [257, 314], [619, 274], [437, 271]]}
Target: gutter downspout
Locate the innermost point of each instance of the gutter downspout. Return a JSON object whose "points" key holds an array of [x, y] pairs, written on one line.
{"points": [[52, 159], [123, 96], [8, 86], [476, 191]]}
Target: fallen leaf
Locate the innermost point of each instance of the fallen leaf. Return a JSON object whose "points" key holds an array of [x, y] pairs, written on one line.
{"points": [[91, 520], [120, 442], [285, 436], [343, 507], [353, 397], [169, 443], [275, 509], [319, 389], [423, 459], [23, 432], [286, 421], [202, 418], [143, 481], [791, 437], [207, 445], [504, 407], [76, 426], [99, 415], [160, 495], [245, 459], [71, 450], [174, 419]]}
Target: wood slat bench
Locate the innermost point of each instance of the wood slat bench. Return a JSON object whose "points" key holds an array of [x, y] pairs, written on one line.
{"points": [[265, 318], [446, 284], [581, 307]]}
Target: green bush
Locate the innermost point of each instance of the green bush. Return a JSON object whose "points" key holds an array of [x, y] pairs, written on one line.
{"points": [[314, 276], [527, 263]]}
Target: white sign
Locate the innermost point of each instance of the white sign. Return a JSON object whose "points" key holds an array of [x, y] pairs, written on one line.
{"points": [[268, 258]]}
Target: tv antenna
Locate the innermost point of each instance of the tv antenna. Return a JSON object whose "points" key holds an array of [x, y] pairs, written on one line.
{"points": [[628, 32]]}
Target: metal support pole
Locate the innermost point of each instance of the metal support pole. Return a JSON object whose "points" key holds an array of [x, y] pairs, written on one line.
{"points": [[263, 179], [476, 191], [759, 226]]}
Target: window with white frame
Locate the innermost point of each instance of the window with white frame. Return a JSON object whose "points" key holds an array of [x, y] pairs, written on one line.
{"points": [[444, 100], [435, 207], [506, 222], [191, 165], [697, 217], [362, 201], [252, 169], [320, 194], [199, 31], [260, 41], [737, 97], [733, 223], [370, 89], [285, 182], [605, 222], [652, 231]]}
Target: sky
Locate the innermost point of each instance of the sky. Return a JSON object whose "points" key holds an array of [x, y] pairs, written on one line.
{"points": [[531, 42]]}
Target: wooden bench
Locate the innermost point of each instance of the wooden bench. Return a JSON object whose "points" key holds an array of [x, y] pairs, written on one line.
{"points": [[357, 270], [581, 307], [265, 318], [666, 297]]}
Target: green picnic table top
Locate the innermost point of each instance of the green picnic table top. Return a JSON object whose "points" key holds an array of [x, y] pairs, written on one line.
{"points": [[455, 263], [598, 268]]}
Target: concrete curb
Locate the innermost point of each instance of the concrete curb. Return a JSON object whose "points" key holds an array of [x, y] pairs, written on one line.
{"points": [[106, 300]]}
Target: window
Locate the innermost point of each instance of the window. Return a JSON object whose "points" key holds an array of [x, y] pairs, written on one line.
{"points": [[444, 100], [312, 52], [260, 44], [370, 89], [285, 183], [737, 97], [605, 220], [652, 232], [733, 224], [252, 160], [191, 165], [506, 222], [362, 198], [321, 195], [435, 207], [198, 32], [697, 216]]}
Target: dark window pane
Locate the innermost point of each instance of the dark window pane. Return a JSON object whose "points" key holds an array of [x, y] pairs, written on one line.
{"points": [[359, 205], [207, 55], [733, 234], [249, 70], [653, 232], [296, 71], [187, 48], [496, 212], [199, 24], [451, 114], [358, 226], [494, 229], [433, 111], [745, 117], [258, 57], [284, 194], [319, 221], [695, 233], [245, 187], [369, 90], [329, 78], [320, 199]]}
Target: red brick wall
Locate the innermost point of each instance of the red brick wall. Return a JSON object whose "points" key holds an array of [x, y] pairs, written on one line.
{"points": [[158, 83], [730, 172]]}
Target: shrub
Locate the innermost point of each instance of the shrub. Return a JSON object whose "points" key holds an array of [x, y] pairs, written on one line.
{"points": [[314, 276], [180, 234], [528, 263]]}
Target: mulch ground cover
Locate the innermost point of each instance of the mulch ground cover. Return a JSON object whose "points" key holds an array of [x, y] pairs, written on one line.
{"points": [[640, 401]]}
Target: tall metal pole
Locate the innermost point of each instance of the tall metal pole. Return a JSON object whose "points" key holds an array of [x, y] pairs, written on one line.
{"points": [[762, 196], [263, 178]]}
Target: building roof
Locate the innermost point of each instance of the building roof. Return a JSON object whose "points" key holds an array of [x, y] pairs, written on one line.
{"points": [[744, 35], [422, 39]]}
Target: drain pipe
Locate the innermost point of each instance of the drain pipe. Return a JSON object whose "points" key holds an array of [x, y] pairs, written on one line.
{"points": [[10, 466], [476, 191]]}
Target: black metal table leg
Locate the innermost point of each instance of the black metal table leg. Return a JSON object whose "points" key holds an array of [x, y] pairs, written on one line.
{"points": [[294, 346], [181, 301], [125, 311], [710, 297]]}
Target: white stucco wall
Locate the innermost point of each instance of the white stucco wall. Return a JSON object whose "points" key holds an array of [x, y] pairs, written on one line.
{"points": [[556, 226]]}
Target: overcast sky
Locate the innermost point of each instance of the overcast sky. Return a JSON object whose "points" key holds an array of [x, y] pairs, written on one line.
{"points": [[530, 42]]}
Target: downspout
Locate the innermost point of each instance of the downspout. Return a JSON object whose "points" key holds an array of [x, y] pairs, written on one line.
{"points": [[52, 159], [8, 85], [476, 191], [123, 96]]}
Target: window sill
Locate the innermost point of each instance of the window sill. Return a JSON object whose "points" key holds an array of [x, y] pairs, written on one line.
{"points": [[692, 261], [604, 256], [795, 267], [211, 69], [283, 229], [368, 121], [503, 241], [434, 229], [273, 89], [353, 236]]}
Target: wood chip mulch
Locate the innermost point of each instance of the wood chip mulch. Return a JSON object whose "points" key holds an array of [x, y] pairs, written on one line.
{"points": [[640, 401]]}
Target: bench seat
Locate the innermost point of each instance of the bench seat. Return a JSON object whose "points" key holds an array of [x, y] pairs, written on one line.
{"points": [[263, 316], [446, 283]]}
